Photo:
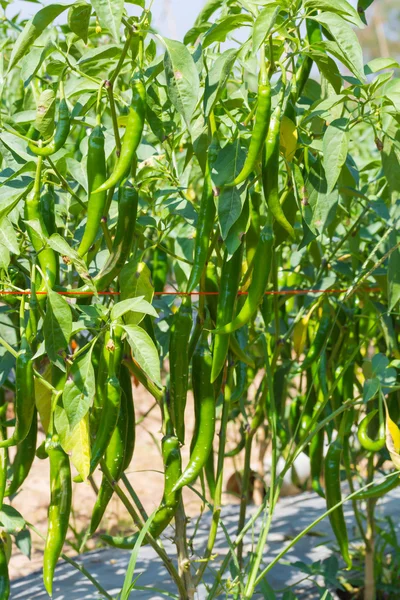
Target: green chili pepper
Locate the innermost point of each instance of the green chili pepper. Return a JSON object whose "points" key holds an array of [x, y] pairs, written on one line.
{"points": [[270, 168], [4, 576], [124, 237], [334, 496], [47, 209], [61, 132], [110, 409], [262, 268], [46, 255], [366, 442], [212, 287], [230, 277], [204, 229], [23, 459], [159, 270], [126, 386], [259, 134], [239, 353], [179, 365], [203, 392], [381, 489], [96, 175], [59, 509], [131, 139], [115, 461], [320, 338], [304, 68], [3, 468], [24, 394], [316, 462]]}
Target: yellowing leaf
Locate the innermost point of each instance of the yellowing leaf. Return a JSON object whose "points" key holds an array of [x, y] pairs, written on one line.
{"points": [[300, 335], [76, 442], [288, 139], [392, 439], [135, 280]]}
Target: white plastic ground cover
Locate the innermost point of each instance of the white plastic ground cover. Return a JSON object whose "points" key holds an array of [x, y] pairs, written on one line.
{"points": [[292, 515]]}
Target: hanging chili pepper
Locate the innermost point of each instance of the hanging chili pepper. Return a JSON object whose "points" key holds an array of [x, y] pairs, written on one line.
{"points": [[203, 392], [112, 402], [324, 327], [380, 489], [205, 225], [24, 390], [127, 210], [159, 271], [23, 459], [366, 442], [262, 268], [96, 176], [59, 509], [115, 461], [259, 134], [270, 168], [61, 132], [334, 496], [131, 139], [179, 365], [230, 277], [46, 255], [317, 462], [126, 386]]}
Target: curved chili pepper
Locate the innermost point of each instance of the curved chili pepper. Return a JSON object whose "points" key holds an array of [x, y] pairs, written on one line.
{"points": [[115, 460], [179, 365], [46, 255], [229, 284], [381, 489], [124, 236], [205, 225], [24, 396], [126, 386], [270, 168], [212, 287], [259, 134], [131, 139], [334, 496], [23, 459], [61, 132], [59, 509], [4, 576], [262, 268], [203, 392], [96, 175], [320, 338], [366, 442], [110, 409], [47, 209], [159, 270]]}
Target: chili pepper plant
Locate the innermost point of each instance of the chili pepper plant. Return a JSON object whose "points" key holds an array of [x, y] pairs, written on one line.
{"points": [[215, 217]]}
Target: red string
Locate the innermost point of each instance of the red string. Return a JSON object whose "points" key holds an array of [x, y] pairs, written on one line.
{"points": [[268, 293]]}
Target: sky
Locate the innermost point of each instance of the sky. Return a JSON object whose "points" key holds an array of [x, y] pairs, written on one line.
{"points": [[172, 18]]}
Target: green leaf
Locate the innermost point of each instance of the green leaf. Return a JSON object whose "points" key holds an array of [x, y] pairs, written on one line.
{"points": [[263, 25], [340, 7], [134, 281], [346, 40], [75, 442], [217, 77], [144, 352], [229, 163], [391, 154], [11, 519], [328, 68], [137, 305], [393, 273], [57, 325], [60, 245], [45, 113], [79, 19], [207, 11], [32, 61], [230, 205], [182, 78], [102, 52], [80, 389], [10, 202], [23, 542], [335, 148], [8, 236], [238, 230], [380, 64], [109, 13], [218, 32], [33, 29]]}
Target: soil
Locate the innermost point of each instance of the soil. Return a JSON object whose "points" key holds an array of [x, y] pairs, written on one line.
{"points": [[144, 473]]}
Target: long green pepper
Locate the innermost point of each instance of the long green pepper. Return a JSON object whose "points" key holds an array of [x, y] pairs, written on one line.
{"points": [[61, 132]]}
